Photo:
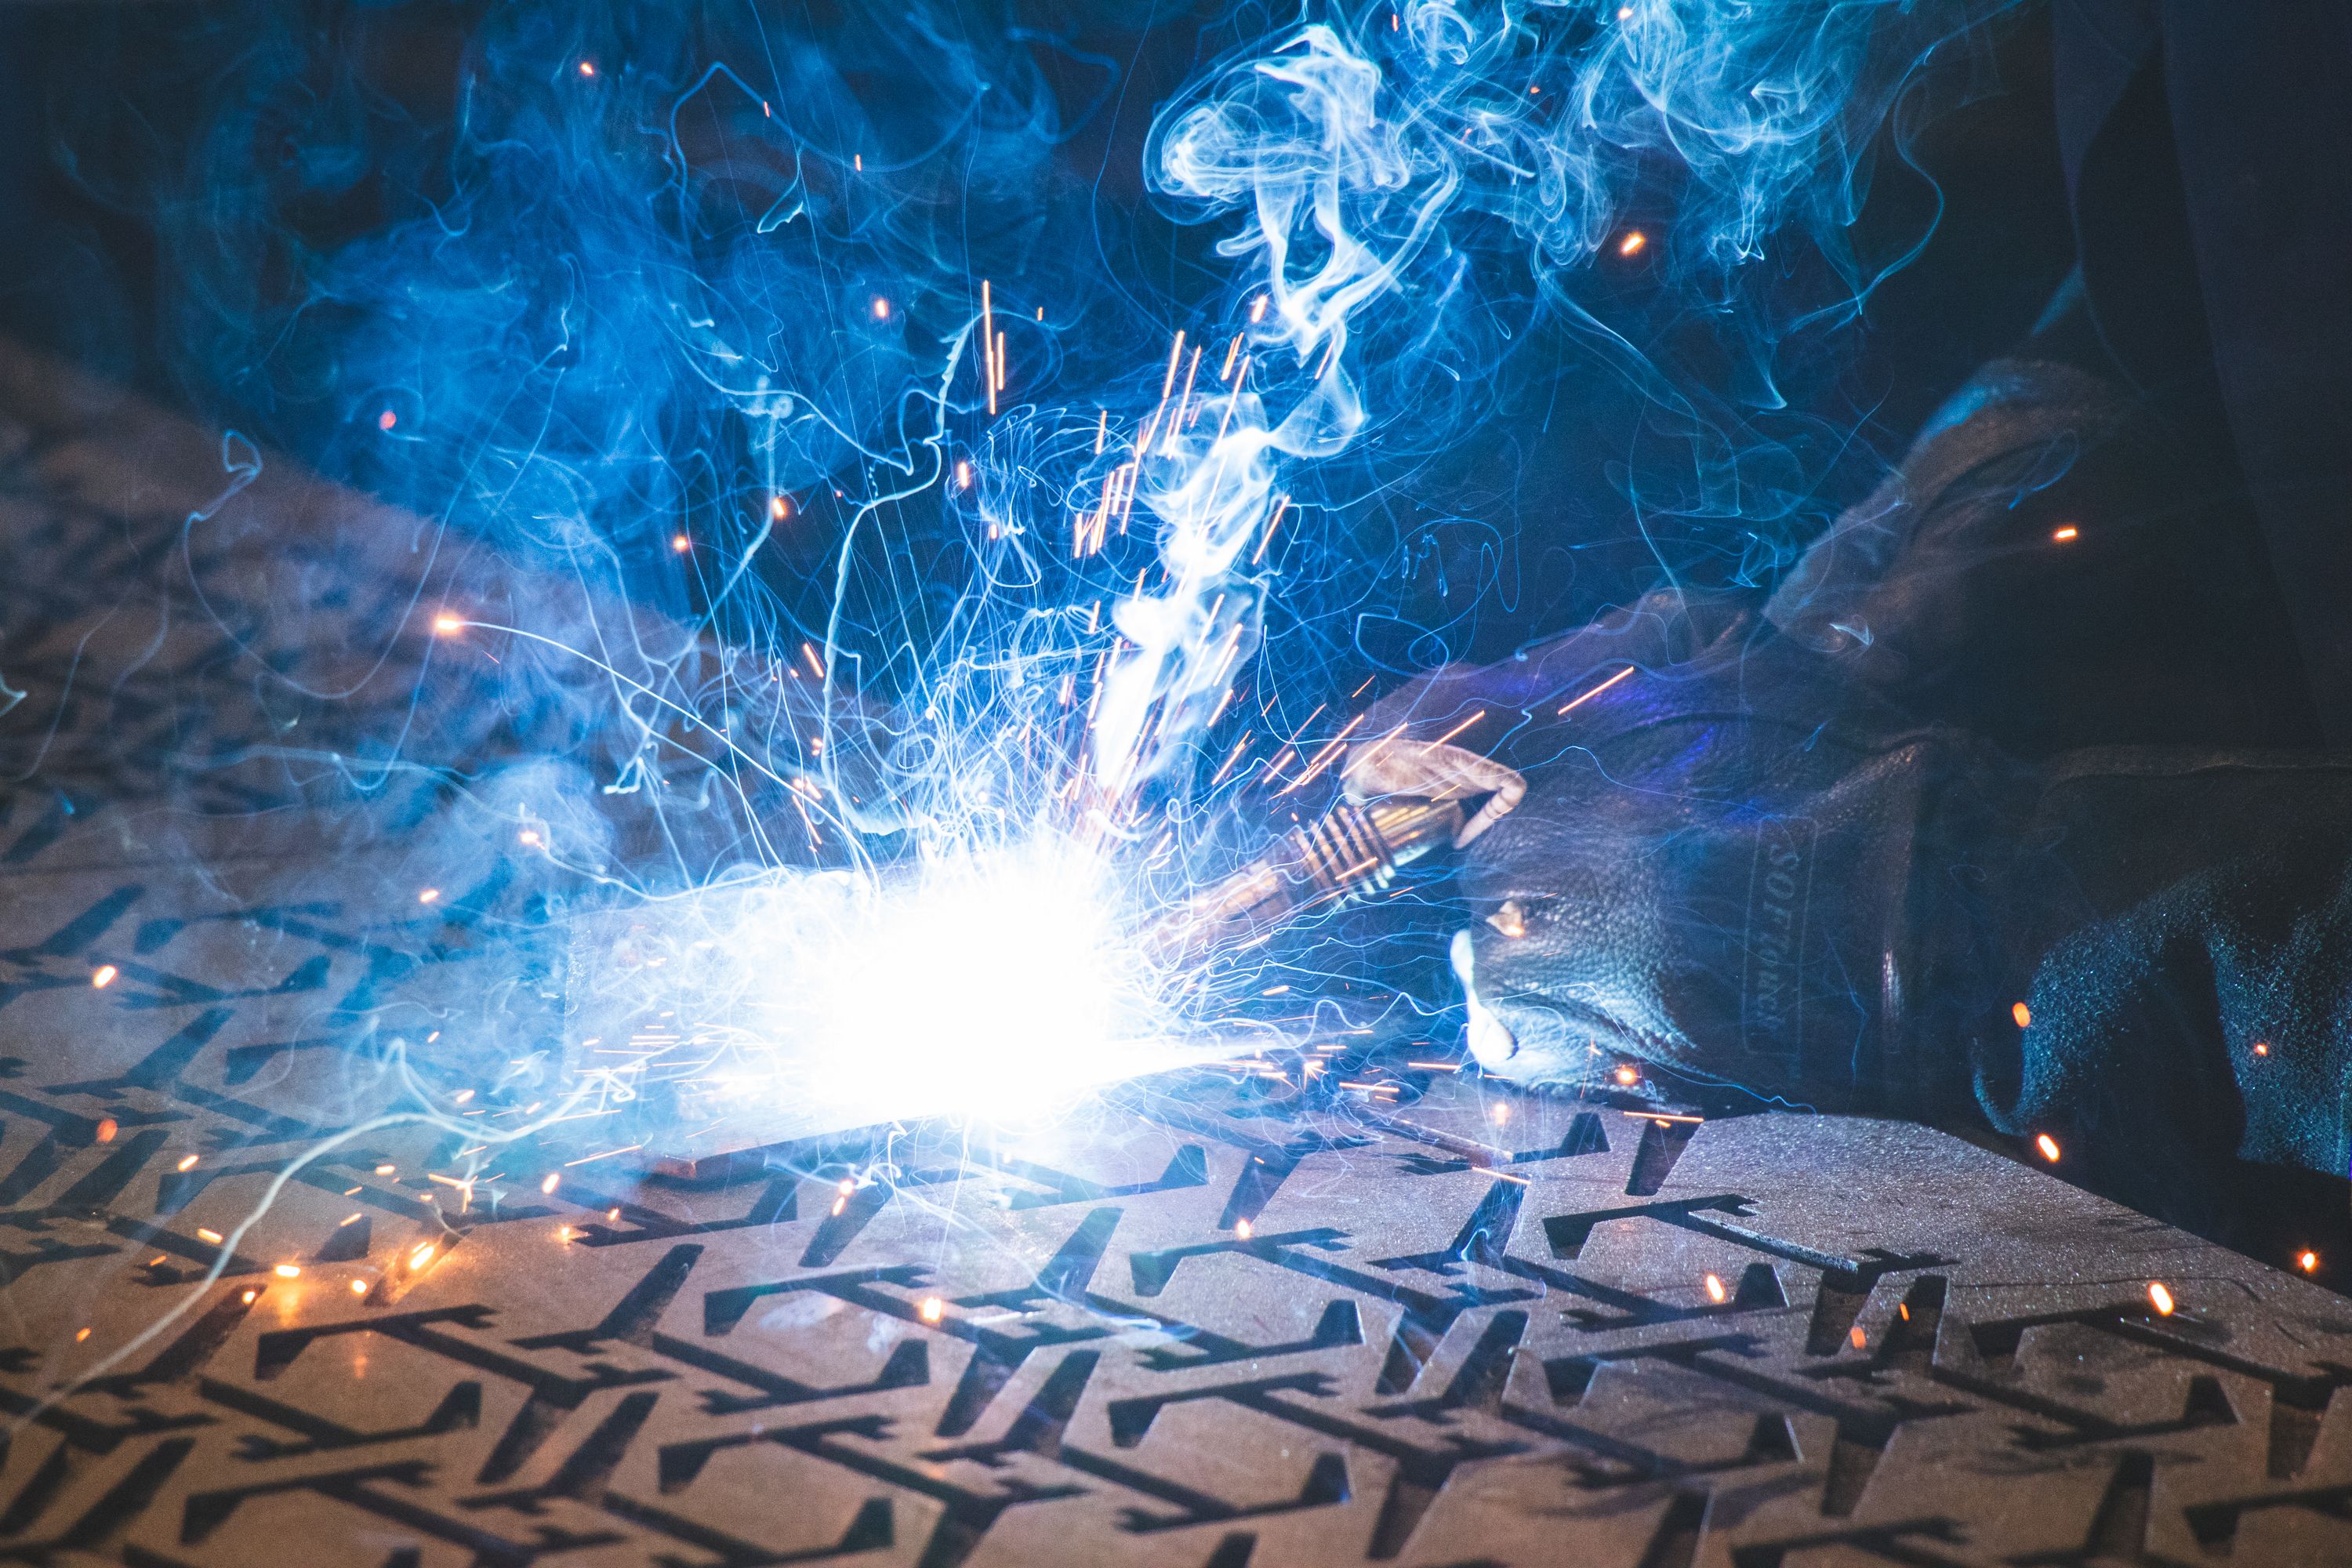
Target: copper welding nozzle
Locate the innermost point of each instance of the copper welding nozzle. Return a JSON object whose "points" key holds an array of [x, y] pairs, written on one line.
{"points": [[1346, 852]]}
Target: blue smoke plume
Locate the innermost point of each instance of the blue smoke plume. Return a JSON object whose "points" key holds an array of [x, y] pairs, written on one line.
{"points": [[874, 445]]}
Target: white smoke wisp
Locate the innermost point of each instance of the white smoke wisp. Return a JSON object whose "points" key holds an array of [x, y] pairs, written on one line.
{"points": [[1347, 152], [1301, 141]]}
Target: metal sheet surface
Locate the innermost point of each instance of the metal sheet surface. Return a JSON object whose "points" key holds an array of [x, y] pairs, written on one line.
{"points": [[1209, 1322]]}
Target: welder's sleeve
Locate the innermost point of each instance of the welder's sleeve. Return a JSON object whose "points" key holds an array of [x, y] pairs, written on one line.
{"points": [[2181, 929]]}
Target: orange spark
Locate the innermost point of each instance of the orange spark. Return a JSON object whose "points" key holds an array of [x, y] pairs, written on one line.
{"points": [[1581, 701], [103, 976], [2048, 1145]]}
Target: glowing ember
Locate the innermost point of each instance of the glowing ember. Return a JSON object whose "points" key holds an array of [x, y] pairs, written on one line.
{"points": [[2307, 1261], [103, 976], [2160, 1298], [2023, 1014], [2048, 1145], [1715, 1291], [932, 1309]]}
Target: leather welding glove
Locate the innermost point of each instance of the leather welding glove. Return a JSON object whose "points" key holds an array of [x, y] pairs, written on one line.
{"points": [[1713, 867], [1736, 858], [1738, 870]]}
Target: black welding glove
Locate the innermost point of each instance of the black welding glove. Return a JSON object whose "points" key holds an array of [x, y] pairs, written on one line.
{"points": [[1718, 866], [1738, 868], [1738, 858]]}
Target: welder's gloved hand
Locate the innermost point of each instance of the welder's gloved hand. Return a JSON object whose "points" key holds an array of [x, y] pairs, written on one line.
{"points": [[1712, 868], [1741, 867], [1737, 858]]}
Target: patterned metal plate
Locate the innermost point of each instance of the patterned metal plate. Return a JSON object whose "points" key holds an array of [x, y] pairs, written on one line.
{"points": [[253, 1315]]}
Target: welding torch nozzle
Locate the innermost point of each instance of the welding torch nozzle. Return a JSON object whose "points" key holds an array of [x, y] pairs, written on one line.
{"points": [[1346, 853]]}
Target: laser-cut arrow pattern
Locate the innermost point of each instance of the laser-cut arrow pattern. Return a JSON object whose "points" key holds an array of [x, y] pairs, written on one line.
{"points": [[1198, 1326]]}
